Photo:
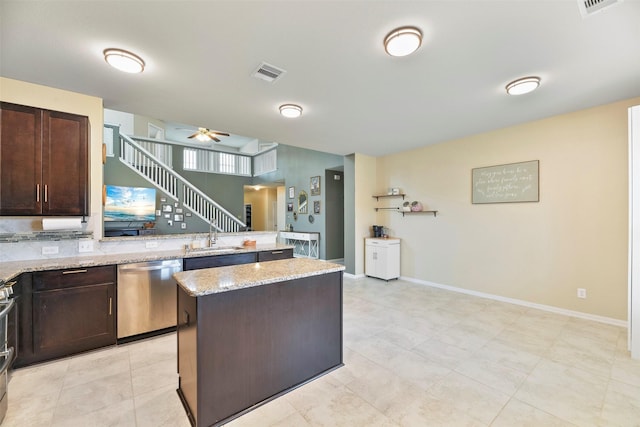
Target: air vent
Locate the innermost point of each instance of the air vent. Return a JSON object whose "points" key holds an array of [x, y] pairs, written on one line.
{"points": [[589, 7], [268, 72]]}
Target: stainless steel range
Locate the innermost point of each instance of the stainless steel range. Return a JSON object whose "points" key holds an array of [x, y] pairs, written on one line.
{"points": [[6, 353]]}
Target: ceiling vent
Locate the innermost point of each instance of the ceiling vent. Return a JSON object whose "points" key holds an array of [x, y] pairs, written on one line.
{"points": [[589, 7], [268, 72]]}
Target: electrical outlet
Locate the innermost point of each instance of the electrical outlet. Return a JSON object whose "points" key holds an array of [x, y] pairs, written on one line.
{"points": [[85, 245], [582, 293], [49, 250], [151, 244]]}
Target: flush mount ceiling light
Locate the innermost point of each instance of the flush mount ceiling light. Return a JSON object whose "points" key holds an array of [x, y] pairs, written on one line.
{"points": [[123, 60], [403, 41], [290, 111], [523, 85]]}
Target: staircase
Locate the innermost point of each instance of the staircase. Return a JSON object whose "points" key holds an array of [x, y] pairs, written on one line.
{"points": [[141, 161]]}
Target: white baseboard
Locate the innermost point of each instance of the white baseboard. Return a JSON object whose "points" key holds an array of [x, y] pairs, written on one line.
{"points": [[353, 276], [550, 308]]}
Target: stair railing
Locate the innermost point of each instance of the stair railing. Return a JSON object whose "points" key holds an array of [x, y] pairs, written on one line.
{"points": [[145, 164]]}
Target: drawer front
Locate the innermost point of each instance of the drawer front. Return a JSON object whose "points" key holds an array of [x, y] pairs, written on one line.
{"points": [[218, 261], [71, 277], [275, 254]]}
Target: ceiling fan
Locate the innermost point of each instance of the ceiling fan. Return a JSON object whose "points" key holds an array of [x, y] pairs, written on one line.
{"points": [[204, 135]]}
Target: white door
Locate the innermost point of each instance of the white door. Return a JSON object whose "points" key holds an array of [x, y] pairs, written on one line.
{"points": [[634, 232]]}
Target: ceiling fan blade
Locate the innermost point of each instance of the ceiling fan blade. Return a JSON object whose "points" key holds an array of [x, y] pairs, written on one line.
{"points": [[194, 135], [219, 133], [214, 138]]}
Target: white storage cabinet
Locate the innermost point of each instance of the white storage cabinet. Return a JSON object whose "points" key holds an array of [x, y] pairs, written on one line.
{"points": [[382, 258]]}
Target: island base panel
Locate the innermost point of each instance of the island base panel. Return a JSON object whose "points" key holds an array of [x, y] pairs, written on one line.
{"points": [[240, 348]]}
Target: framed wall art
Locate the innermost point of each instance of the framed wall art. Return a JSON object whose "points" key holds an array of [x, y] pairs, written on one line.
{"points": [[510, 183], [315, 185], [316, 207], [292, 192]]}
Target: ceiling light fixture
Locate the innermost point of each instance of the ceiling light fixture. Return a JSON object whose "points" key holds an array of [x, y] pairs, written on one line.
{"points": [[203, 137], [124, 60], [290, 111], [403, 41], [523, 85]]}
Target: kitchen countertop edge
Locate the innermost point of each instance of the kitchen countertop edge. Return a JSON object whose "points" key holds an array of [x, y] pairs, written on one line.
{"points": [[12, 269], [203, 282]]}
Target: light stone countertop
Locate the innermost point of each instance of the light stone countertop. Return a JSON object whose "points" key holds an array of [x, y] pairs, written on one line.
{"points": [[208, 281], [12, 269]]}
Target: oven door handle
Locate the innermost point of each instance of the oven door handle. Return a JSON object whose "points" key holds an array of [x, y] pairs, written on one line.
{"points": [[9, 305], [8, 355]]}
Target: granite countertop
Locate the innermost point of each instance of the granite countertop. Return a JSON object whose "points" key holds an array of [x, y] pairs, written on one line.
{"points": [[12, 269], [223, 279]]}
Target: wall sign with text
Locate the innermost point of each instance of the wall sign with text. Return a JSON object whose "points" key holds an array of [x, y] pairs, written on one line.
{"points": [[510, 183]]}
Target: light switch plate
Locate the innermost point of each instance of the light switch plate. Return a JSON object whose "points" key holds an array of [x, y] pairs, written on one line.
{"points": [[151, 244]]}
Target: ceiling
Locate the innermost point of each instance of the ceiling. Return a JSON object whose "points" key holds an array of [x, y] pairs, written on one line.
{"points": [[200, 57]]}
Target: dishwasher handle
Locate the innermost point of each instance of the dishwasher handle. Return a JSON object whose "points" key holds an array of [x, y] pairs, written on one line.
{"points": [[151, 267]]}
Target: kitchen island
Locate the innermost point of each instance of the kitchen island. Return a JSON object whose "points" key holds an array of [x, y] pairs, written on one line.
{"points": [[250, 333]]}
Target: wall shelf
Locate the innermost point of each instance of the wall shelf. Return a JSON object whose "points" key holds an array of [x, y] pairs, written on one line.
{"points": [[377, 197]]}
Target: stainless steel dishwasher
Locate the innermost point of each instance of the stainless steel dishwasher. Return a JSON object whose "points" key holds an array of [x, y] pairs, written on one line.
{"points": [[146, 297]]}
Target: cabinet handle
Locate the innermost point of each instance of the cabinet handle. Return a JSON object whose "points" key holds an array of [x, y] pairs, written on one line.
{"points": [[110, 305], [38, 193], [45, 193], [277, 252], [74, 271]]}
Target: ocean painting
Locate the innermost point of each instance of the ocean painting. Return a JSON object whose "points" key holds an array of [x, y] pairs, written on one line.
{"points": [[129, 204]]}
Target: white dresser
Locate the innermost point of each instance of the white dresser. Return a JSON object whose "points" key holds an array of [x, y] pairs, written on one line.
{"points": [[382, 258], [305, 243]]}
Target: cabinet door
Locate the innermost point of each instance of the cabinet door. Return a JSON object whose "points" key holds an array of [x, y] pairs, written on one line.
{"points": [[70, 320], [370, 261], [20, 160], [65, 164]]}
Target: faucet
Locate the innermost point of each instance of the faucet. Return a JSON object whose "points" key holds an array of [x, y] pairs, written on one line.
{"points": [[213, 232]]}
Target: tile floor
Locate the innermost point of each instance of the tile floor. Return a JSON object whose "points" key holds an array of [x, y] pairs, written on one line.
{"points": [[414, 356]]}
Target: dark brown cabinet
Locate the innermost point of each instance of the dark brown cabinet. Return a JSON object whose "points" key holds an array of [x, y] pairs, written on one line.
{"points": [[218, 261], [72, 311], [275, 254], [43, 162]]}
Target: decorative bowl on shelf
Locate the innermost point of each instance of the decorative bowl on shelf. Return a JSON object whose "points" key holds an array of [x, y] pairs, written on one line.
{"points": [[406, 207], [416, 206]]}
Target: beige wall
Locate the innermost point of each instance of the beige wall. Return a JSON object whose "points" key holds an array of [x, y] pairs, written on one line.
{"points": [[24, 93], [365, 186], [574, 237], [261, 207]]}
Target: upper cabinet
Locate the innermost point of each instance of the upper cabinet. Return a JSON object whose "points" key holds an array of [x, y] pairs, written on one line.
{"points": [[43, 162]]}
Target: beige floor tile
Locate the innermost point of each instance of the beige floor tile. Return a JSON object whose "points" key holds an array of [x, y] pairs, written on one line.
{"points": [[514, 366], [446, 355], [119, 414], [569, 393], [160, 408], [499, 352], [495, 375], [477, 400], [517, 413], [625, 369], [151, 377], [92, 396], [272, 413], [621, 405], [426, 410]]}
